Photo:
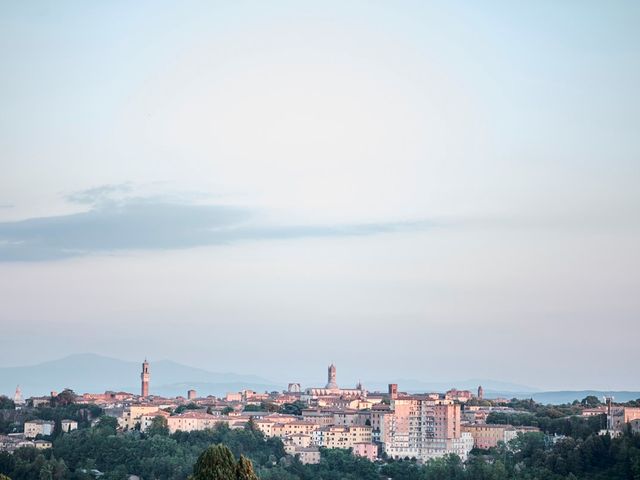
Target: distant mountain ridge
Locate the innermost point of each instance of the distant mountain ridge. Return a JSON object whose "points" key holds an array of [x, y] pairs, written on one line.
{"points": [[96, 373], [412, 385], [498, 389], [568, 396]]}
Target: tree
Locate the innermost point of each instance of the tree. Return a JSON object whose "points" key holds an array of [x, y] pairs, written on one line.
{"points": [[57, 428], [60, 470], [46, 472], [66, 397], [244, 469], [158, 426], [293, 408], [6, 403], [107, 425], [590, 401], [7, 463], [252, 408], [218, 463], [215, 463], [251, 425], [188, 406]]}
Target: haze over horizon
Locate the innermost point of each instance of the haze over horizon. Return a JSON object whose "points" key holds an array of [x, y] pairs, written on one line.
{"points": [[428, 190], [171, 378]]}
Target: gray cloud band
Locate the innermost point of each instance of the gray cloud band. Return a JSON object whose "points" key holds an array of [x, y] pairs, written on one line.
{"points": [[148, 224]]}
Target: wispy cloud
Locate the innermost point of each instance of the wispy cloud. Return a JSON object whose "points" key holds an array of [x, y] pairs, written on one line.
{"points": [[117, 222], [92, 196]]}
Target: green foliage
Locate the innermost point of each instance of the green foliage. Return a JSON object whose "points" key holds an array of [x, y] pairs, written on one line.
{"points": [[57, 428], [158, 426], [244, 469], [64, 398], [6, 403], [590, 401], [107, 425], [337, 464], [188, 406], [180, 455], [7, 426], [30, 464], [7, 463], [252, 408], [293, 408], [551, 419], [215, 463], [218, 463]]}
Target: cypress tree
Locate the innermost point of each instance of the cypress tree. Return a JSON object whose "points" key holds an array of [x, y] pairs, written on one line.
{"points": [[244, 470], [215, 463]]}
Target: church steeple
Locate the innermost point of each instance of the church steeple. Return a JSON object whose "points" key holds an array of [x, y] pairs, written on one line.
{"points": [[17, 398]]}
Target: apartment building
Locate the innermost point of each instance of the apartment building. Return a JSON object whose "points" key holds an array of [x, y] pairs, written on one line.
{"points": [[423, 427]]}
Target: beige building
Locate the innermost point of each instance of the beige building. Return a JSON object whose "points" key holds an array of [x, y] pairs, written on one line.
{"points": [[349, 417], [69, 425], [298, 427], [133, 414], [285, 426], [592, 412], [306, 455], [366, 450], [321, 417], [147, 419], [377, 417], [298, 440], [42, 444], [336, 436], [33, 428], [486, 436], [620, 416], [191, 421]]}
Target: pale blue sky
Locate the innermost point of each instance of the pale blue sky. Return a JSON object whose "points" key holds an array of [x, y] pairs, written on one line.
{"points": [[394, 183]]}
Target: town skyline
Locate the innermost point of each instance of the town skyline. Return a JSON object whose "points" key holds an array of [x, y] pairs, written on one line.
{"points": [[78, 373], [309, 421]]}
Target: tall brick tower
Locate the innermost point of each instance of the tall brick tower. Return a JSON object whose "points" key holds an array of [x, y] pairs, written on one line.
{"points": [[393, 391], [144, 376], [480, 393], [331, 377]]}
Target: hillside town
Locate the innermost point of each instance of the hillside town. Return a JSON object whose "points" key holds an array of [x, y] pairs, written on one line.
{"points": [[374, 425]]}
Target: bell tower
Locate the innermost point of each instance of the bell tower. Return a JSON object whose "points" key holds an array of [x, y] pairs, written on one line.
{"points": [[144, 377], [331, 377]]}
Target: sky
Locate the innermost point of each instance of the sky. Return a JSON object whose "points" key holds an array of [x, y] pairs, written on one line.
{"points": [[430, 190]]}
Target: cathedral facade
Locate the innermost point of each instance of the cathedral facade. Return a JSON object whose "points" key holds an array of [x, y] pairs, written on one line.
{"points": [[332, 389]]}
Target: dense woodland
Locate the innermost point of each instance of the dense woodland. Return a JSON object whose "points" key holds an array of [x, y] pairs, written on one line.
{"points": [[156, 454]]}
